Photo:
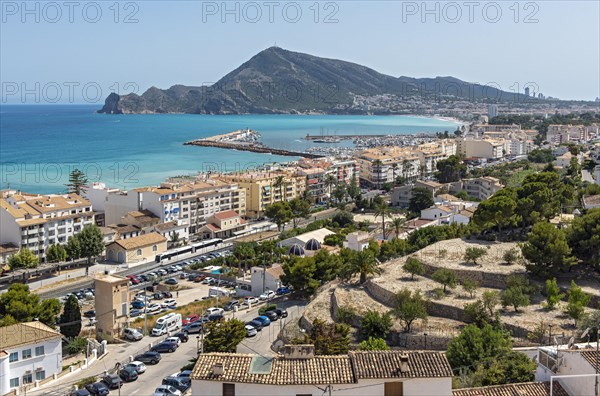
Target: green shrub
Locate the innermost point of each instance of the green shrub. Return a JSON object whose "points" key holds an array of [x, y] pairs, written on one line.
{"points": [[76, 345]]}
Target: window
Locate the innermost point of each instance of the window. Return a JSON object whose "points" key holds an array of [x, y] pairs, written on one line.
{"points": [[39, 350], [13, 357], [14, 382], [228, 389], [27, 378], [154, 248], [139, 252], [40, 375], [26, 354]]}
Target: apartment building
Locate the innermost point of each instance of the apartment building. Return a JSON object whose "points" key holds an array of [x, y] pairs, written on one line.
{"points": [[382, 165], [29, 352], [479, 187], [264, 188], [38, 221], [431, 153], [184, 203], [401, 196], [320, 172], [298, 371], [558, 134], [483, 148]]}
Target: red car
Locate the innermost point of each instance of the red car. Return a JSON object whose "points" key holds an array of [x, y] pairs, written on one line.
{"points": [[133, 279], [190, 319]]}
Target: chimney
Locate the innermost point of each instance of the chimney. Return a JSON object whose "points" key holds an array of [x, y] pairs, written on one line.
{"points": [[404, 364], [306, 351], [217, 369]]}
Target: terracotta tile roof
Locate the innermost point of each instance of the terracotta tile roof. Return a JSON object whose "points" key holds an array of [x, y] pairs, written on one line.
{"points": [[591, 200], [466, 213], [319, 370], [26, 333], [124, 228], [236, 368], [140, 241], [162, 227], [276, 271], [8, 248], [522, 389], [386, 364], [227, 214], [447, 197]]}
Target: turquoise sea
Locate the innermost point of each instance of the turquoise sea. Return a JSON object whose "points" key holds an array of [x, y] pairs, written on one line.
{"points": [[40, 145]]}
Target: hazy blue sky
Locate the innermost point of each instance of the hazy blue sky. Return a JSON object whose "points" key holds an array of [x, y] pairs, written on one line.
{"points": [[554, 44]]}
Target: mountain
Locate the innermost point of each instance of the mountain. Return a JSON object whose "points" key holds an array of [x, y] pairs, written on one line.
{"points": [[281, 81]]}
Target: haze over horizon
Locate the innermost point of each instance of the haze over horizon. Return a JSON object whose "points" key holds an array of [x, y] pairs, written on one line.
{"points": [[155, 43]]}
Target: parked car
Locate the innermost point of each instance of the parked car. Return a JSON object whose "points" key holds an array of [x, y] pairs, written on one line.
{"points": [[90, 314], [256, 324], [173, 339], [250, 301], [128, 374], [281, 312], [164, 347], [113, 381], [167, 390], [185, 374], [267, 295], [283, 290], [132, 334], [171, 281], [167, 294], [138, 366], [157, 296], [169, 303], [231, 304], [162, 272], [182, 336], [272, 315], [192, 328], [150, 357], [97, 389], [80, 392], [137, 304], [153, 308], [214, 311], [181, 384], [264, 320], [135, 312], [215, 317], [190, 319], [251, 331]]}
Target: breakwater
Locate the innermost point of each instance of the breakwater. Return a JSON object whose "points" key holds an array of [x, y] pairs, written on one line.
{"points": [[256, 148]]}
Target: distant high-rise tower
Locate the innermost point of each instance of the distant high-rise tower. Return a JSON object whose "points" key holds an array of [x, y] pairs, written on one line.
{"points": [[540, 96], [492, 111], [526, 91]]}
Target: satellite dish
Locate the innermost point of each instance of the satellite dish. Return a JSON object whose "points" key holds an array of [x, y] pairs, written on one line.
{"points": [[571, 342], [585, 333]]}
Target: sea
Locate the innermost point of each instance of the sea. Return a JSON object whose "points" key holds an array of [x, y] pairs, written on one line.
{"points": [[41, 144]]}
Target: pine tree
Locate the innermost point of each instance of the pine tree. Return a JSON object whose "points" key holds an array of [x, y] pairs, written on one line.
{"points": [[77, 182], [70, 319]]}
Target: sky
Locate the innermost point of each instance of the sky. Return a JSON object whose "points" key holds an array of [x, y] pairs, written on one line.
{"points": [[79, 51]]}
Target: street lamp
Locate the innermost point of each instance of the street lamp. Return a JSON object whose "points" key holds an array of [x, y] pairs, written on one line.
{"points": [[425, 334], [197, 345], [550, 334]]}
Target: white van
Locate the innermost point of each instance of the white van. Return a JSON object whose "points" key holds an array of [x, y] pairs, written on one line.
{"points": [[166, 324], [219, 292]]}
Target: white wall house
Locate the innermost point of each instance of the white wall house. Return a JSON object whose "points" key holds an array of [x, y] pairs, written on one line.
{"points": [[262, 280], [29, 352], [562, 361], [299, 372], [357, 241]]}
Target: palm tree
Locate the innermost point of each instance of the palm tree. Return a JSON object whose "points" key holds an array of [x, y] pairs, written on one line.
{"points": [[365, 264], [383, 211], [279, 182], [377, 164], [398, 223], [330, 181], [422, 170], [394, 169]]}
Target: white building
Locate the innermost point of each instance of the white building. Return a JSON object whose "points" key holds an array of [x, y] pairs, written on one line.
{"points": [[492, 110], [38, 221], [29, 352], [563, 361], [303, 239], [357, 241], [299, 372], [262, 280]]}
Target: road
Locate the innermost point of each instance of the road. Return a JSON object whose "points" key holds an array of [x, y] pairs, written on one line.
{"points": [[172, 362]]}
